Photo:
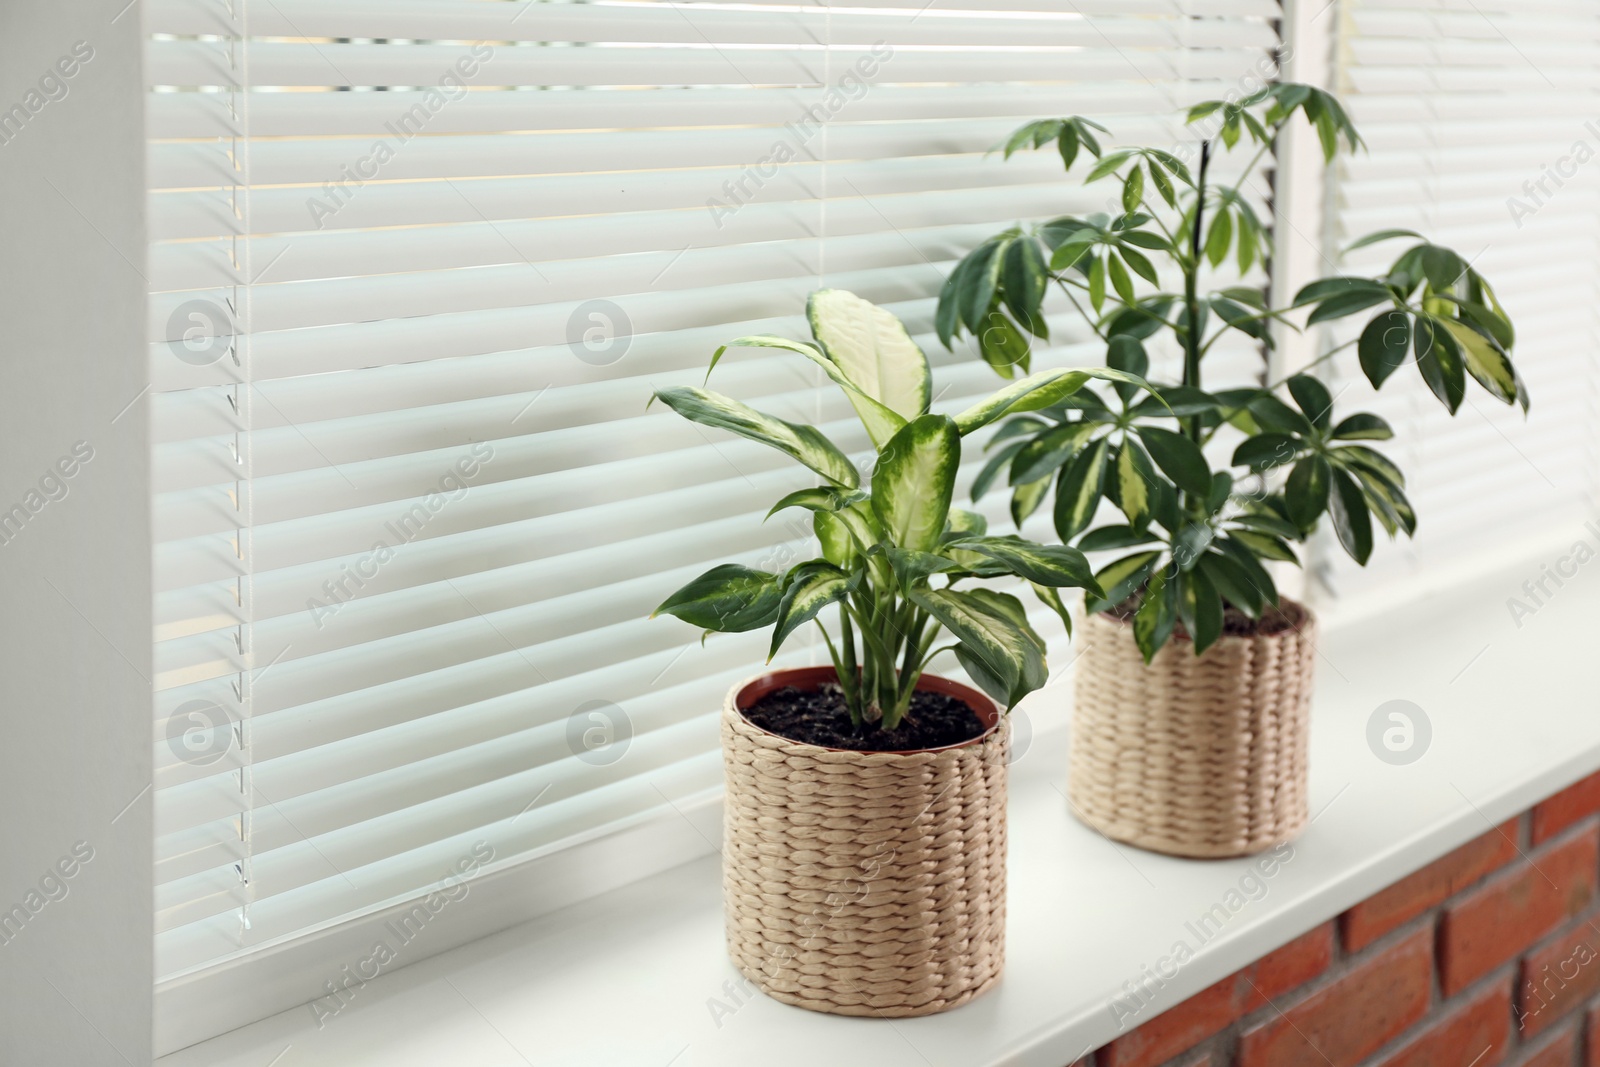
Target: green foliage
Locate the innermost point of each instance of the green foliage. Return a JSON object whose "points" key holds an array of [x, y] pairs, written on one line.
{"points": [[1196, 534], [893, 549]]}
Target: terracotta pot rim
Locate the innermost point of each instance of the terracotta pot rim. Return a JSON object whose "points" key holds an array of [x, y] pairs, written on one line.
{"points": [[747, 692]]}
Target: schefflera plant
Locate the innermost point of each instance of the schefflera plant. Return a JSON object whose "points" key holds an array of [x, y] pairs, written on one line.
{"points": [[898, 561], [1196, 544]]}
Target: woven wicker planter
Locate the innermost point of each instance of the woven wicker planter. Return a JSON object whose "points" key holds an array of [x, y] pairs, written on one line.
{"points": [[864, 883], [1194, 756]]}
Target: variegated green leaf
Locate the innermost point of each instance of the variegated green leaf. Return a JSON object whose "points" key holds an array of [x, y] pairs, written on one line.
{"points": [[727, 599], [873, 349], [1078, 490], [986, 628], [817, 498], [838, 547], [881, 421], [809, 588], [1035, 392], [914, 480], [1485, 361], [1049, 565], [803, 443]]}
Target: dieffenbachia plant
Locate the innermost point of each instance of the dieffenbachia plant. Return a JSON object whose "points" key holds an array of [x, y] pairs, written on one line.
{"points": [[896, 556], [1195, 542]]}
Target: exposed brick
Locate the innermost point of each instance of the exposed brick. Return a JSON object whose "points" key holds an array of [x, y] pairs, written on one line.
{"points": [[1209, 1011], [1477, 1032], [1565, 808], [1433, 885], [1287, 969], [1558, 977], [1497, 921], [1559, 1051], [1593, 1028], [1176, 1029], [1349, 1019]]}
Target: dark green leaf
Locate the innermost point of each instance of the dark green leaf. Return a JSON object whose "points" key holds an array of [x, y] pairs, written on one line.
{"points": [[978, 282], [1266, 523], [1442, 267], [1244, 321], [1164, 186], [1383, 346], [1119, 278], [1203, 618], [1254, 572], [1133, 189], [1362, 427], [1220, 237], [1351, 520], [1140, 264], [1439, 360], [1327, 288], [1273, 414], [1179, 458], [1106, 165], [1067, 144], [1382, 235], [1145, 239], [947, 319], [1306, 493], [1108, 538], [1265, 451], [1312, 398], [1025, 276], [991, 470], [1232, 582], [1348, 304]]}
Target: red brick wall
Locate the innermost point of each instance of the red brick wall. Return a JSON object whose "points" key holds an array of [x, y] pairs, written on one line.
{"points": [[1488, 956]]}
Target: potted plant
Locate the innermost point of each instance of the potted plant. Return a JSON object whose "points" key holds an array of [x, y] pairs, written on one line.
{"points": [[1189, 730], [864, 836]]}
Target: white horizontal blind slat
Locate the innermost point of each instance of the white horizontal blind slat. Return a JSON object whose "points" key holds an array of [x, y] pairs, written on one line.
{"points": [[1466, 108], [418, 517]]}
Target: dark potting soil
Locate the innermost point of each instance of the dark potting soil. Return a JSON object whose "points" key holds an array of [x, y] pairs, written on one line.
{"points": [[1288, 615], [819, 717]]}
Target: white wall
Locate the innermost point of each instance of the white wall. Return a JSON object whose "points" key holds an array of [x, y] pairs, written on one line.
{"points": [[75, 586]]}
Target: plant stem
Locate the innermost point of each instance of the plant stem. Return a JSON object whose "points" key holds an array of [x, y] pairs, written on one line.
{"points": [[850, 677], [1065, 288], [1191, 286], [1267, 390], [1191, 335]]}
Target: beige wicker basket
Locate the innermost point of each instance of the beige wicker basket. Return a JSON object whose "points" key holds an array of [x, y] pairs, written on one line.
{"points": [[1192, 755], [864, 883]]}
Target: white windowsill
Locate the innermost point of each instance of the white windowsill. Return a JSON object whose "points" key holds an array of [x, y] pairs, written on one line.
{"points": [[635, 976]]}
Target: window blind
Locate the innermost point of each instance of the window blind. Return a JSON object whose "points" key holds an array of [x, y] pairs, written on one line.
{"points": [[417, 266], [1480, 121]]}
